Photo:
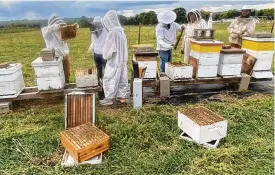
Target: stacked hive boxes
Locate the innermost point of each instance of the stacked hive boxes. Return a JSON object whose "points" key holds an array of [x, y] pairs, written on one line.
{"points": [[49, 74], [230, 62], [12, 82], [145, 56], [263, 50], [205, 57]]}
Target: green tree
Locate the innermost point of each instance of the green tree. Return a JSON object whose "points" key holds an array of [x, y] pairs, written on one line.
{"points": [[122, 19], [181, 15]]}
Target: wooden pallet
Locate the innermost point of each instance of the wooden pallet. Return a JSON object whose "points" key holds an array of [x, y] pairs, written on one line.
{"points": [[85, 141], [33, 93]]}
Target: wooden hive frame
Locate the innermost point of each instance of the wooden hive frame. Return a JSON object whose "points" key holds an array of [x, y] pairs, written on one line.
{"points": [[79, 109], [85, 141], [68, 31]]}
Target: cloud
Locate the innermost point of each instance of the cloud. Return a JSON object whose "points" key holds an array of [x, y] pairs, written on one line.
{"points": [[127, 13], [30, 15], [238, 7]]}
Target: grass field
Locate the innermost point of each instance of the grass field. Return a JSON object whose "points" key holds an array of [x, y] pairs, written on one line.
{"points": [[142, 141]]}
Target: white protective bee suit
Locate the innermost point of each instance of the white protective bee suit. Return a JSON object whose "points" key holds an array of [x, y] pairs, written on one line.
{"points": [[189, 31], [115, 51], [240, 27], [98, 39], [51, 36]]}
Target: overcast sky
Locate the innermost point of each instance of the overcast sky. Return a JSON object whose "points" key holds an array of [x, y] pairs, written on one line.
{"points": [[12, 10]]}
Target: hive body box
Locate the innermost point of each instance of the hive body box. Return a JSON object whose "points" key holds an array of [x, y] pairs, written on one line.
{"points": [[11, 81], [230, 63], [79, 109], [177, 72], [207, 54], [86, 78], [262, 49], [204, 129], [49, 74], [85, 141], [148, 60]]}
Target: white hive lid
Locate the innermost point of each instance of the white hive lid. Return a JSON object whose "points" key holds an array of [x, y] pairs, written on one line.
{"points": [[12, 68], [40, 62]]}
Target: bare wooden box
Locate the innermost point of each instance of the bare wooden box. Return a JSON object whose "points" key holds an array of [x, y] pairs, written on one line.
{"points": [[85, 141], [86, 78], [47, 54]]}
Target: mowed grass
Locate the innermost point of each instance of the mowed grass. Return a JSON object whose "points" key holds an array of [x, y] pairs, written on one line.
{"points": [[143, 141]]}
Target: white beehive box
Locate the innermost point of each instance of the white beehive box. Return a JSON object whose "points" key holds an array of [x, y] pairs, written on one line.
{"points": [[178, 71], [202, 125], [49, 74], [148, 60], [86, 78], [263, 64], [206, 59], [151, 68], [230, 69], [231, 56], [12, 82], [207, 71]]}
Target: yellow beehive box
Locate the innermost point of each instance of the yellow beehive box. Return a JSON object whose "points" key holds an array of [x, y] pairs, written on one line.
{"points": [[260, 48], [258, 44], [206, 46]]}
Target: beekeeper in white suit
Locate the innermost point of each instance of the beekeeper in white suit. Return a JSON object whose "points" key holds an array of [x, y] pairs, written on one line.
{"points": [[195, 21], [51, 37], [98, 38], [115, 51], [243, 25], [166, 32]]}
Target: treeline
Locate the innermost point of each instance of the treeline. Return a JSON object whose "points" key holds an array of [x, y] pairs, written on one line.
{"points": [[145, 18]]}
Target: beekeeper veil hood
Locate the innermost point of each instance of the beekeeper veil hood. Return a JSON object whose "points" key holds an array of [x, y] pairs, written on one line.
{"points": [[110, 21], [197, 14], [54, 19], [167, 17], [96, 25]]}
